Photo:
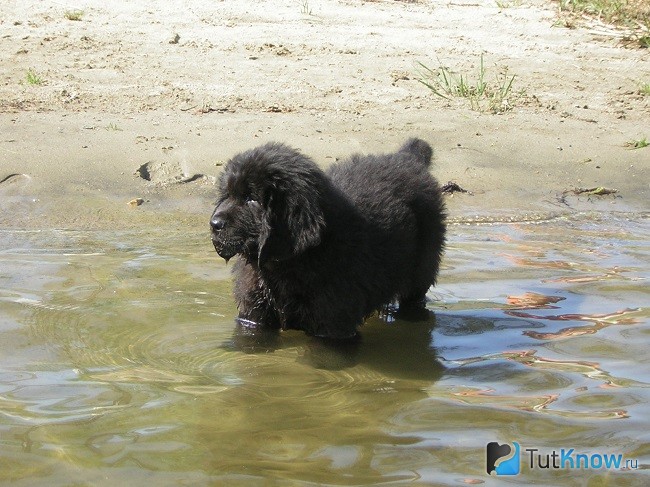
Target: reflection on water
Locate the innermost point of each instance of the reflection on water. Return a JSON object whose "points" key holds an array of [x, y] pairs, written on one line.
{"points": [[121, 362]]}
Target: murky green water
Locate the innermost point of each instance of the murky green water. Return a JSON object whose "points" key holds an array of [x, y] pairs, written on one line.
{"points": [[120, 364]]}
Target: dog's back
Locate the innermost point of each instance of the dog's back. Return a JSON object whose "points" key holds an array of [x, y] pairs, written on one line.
{"points": [[404, 210], [381, 184]]}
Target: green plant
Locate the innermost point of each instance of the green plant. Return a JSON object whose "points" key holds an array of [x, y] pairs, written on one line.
{"points": [[33, 78], [503, 4], [113, 126], [638, 144], [645, 89], [601, 8], [304, 7], [482, 95], [644, 41], [632, 15], [74, 15]]}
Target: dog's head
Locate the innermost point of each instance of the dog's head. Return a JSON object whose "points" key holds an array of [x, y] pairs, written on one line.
{"points": [[269, 205]]}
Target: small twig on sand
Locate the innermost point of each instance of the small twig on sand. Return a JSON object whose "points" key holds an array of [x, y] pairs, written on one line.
{"points": [[599, 191]]}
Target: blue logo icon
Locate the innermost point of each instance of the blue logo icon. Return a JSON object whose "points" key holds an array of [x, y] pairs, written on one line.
{"points": [[503, 459]]}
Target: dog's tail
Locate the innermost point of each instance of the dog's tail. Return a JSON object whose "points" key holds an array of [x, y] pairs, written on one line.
{"points": [[420, 149]]}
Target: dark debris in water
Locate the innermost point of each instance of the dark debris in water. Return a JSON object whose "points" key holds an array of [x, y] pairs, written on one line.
{"points": [[452, 187]]}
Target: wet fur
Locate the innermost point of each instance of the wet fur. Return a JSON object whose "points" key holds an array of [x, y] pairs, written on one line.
{"points": [[321, 251]]}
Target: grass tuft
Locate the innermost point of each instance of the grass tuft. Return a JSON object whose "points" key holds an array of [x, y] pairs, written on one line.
{"points": [[504, 4], [632, 15], [482, 95], [305, 9], [33, 78], [74, 15], [638, 144]]}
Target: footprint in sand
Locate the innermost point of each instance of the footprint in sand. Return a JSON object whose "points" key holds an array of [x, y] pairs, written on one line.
{"points": [[13, 184], [164, 173]]}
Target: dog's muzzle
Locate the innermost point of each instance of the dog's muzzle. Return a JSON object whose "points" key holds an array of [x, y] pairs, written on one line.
{"points": [[224, 249]]}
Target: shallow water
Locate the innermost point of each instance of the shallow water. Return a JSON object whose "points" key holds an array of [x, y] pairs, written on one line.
{"points": [[120, 362]]}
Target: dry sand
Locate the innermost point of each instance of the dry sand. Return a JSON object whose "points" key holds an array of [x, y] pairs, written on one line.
{"points": [[170, 90]]}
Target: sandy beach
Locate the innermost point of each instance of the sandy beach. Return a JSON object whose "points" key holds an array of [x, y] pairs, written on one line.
{"points": [[123, 115]]}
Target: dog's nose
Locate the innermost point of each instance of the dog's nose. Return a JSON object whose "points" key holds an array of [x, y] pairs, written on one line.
{"points": [[217, 223]]}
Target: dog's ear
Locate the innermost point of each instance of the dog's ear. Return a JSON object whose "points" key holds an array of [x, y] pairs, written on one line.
{"points": [[293, 222]]}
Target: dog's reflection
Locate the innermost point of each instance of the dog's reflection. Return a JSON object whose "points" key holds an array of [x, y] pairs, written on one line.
{"points": [[397, 343]]}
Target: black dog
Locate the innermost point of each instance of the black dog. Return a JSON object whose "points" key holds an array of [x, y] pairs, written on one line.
{"points": [[320, 252]]}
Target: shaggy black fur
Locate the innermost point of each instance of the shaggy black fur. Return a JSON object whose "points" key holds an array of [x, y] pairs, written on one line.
{"points": [[321, 251]]}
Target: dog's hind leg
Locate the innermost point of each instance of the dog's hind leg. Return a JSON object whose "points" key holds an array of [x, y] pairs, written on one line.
{"points": [[430, 215], [412, 304], [423, 277], [416, 299], [424, 274]]}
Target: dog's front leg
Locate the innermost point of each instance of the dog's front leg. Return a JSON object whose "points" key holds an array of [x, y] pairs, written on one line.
{"points": [[253, 299]]}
